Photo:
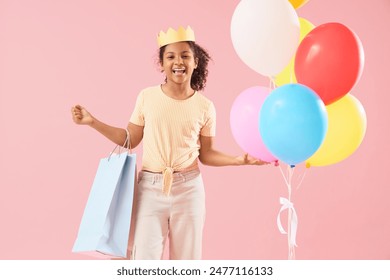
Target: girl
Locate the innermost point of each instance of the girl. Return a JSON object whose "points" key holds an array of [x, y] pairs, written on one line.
{"points": [[177, 124]]}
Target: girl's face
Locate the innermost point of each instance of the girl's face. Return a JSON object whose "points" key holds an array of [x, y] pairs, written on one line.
{"points": [[178, 63]]}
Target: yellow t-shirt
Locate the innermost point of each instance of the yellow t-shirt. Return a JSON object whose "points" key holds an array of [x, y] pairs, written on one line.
{"points": [[172, 128]]}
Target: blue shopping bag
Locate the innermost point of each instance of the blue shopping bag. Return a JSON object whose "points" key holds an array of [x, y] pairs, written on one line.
{"points": [[105, 224]]}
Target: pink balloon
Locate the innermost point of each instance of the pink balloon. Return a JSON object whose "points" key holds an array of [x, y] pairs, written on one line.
{"points": [[244, 122]]}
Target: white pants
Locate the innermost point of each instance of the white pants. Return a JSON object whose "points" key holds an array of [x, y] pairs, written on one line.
{"points": [[179, 216]]}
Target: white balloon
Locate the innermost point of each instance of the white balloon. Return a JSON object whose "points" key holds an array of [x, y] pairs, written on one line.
{"points": [[265, 34]]}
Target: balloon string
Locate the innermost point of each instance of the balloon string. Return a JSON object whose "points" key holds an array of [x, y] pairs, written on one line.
{"points": [[292, 216], [284, 177], [291, 243], [272, 84], [290, 175], [301, 178]]}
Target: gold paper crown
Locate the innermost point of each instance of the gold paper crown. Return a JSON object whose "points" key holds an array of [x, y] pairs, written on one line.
{"points": [[173, 36]]}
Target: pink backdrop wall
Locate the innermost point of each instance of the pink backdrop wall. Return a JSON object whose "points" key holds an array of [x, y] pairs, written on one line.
{"points": [[54, 54]]}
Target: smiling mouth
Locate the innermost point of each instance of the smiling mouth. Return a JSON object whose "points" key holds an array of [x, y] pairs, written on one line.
{"points": [[179, 71]]}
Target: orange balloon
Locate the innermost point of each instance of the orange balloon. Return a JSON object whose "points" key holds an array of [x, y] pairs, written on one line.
{"points": [[298, 3]]}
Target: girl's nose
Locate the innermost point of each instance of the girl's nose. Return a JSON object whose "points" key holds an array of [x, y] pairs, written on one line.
{"points": [[178, 60]]}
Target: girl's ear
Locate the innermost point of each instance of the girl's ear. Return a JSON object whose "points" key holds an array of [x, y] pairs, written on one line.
{"points": [[196, 62]]}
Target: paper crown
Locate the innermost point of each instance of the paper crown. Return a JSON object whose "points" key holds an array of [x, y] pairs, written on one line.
{"points": [[173, 36]]}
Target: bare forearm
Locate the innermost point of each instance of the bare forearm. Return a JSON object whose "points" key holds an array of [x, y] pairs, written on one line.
{"points": [[217, 158], [115, 134], [209, 156]]}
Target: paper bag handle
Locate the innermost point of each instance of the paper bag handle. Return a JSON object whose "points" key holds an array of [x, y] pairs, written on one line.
{"points": [[127, 143]]}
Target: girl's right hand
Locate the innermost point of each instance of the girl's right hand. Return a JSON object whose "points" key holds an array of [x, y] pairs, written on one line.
{"points": [[81, 116]]}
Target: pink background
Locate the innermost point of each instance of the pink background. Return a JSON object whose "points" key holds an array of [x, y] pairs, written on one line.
{"points": [[54, 54]]}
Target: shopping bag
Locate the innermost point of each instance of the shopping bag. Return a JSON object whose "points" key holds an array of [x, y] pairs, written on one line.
{"points": [[105, 224]]}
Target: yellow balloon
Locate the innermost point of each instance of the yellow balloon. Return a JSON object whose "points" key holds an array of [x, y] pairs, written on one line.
{"points": [[287, 76], [347, 125], [298, 3]]}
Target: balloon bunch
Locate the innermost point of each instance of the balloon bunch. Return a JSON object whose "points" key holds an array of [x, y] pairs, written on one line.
{"points": [[309, 115]]}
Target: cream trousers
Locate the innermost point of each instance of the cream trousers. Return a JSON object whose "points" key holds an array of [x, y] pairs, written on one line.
{"points": [[178, 217]]}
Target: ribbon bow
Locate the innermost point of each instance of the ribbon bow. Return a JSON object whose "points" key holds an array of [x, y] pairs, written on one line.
{"points": [[292, 221]]}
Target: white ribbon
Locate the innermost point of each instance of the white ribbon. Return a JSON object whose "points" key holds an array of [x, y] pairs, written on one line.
{"points": [[292, 221]]}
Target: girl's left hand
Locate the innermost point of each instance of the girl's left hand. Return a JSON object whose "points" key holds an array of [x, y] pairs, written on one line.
{"points": [[249, 160]]}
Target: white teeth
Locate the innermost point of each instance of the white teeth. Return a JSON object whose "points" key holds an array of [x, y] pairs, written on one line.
{"points": [[178, 70]]}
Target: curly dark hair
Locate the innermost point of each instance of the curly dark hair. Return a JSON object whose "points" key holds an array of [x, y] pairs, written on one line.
{"points": [[199, 76]]}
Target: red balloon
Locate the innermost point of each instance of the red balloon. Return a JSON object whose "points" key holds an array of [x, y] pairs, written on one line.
{"points": [[330, 61]]}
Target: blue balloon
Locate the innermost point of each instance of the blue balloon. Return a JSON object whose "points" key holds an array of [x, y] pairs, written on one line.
{"points": [[293, 123]]}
